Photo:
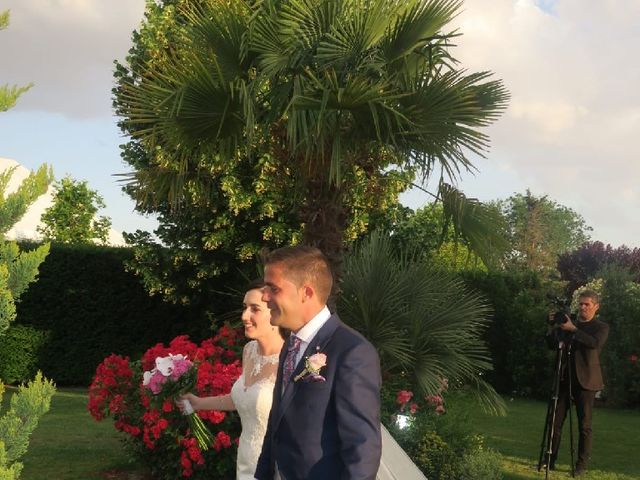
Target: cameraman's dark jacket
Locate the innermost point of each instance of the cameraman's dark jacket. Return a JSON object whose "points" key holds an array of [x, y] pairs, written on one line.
{"points": [[586, 345]]}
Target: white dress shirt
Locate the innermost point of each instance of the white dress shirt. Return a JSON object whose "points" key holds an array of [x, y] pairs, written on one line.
{"points": [[307, 333]]}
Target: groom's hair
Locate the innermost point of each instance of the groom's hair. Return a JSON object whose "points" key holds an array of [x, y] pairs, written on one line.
{"points": [[303, 264]]}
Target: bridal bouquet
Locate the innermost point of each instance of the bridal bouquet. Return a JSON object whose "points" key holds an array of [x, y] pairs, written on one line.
{"points": [[147, 414], [172, 376]]}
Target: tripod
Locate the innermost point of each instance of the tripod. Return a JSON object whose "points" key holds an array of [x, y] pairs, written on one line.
{"points": [[563, 359]]}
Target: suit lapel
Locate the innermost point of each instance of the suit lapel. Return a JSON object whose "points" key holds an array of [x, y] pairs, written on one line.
{"points": [[318, 343]]}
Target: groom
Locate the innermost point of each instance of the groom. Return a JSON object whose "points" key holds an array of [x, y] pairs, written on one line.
{"points": [[324, 423]]}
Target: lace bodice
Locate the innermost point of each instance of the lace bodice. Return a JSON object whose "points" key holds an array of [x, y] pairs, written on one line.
{"points": [[252, 395]]}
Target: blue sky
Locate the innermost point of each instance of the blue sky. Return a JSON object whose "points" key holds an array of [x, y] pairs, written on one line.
{"points": [[570, 132]]}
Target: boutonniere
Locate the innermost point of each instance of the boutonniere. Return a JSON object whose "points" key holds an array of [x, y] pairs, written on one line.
{"points": [[312, 367]]}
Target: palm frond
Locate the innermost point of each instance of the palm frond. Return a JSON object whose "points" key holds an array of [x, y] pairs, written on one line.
{"points": [[423, 322], [481, 226]]}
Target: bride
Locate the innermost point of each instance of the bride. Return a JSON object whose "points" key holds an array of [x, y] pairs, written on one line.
{"points": [[252, 393]]}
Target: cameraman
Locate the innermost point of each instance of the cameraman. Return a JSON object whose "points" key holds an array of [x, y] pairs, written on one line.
{"points": [[585, 338]]}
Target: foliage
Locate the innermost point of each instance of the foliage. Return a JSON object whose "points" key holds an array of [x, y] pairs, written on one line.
{"points": [[329, 109], [540, 230], [437, 439], [159, 436], [18, 423], [424, 232], [9, 94], [583, 264], [109, 312], [620, 309], [18, 269], [434, 457], [520, 305], [14, 205], [424, 323], [483, 464], [20, 352], [72, 216]]}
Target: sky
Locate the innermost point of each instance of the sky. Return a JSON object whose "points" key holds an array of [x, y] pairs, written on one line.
{"points": [[571, 130]]}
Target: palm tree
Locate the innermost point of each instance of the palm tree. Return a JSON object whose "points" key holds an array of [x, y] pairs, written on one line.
{"points": [[424, 323], [323, 86]]}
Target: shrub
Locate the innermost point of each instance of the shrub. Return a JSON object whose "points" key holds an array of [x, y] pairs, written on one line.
{"points": [[620, 309], [436, 438], [435, 458], [521, 359], [158, 435], [19, 353], [481, 465]]}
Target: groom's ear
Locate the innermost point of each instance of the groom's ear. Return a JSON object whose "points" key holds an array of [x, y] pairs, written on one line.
{"points": [[307, 292]]}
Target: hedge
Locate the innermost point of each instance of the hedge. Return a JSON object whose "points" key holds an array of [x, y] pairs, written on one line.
{"points": [[88, 306]]}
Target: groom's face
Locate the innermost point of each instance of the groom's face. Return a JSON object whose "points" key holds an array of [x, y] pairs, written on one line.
{"points": [[283, 298]]}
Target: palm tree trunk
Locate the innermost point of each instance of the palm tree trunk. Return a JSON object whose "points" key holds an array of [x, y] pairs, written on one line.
{"points": [[325, 220]]}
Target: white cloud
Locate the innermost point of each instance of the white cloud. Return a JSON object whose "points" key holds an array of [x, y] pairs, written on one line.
{"points": [[573, 124], [67, 48]]}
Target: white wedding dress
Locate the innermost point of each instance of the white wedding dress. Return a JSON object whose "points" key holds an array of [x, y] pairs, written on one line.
{"points": [[252, 395], [395, 464]]}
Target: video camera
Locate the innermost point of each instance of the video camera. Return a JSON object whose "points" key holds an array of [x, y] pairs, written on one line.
{"points": [[563, 310]]}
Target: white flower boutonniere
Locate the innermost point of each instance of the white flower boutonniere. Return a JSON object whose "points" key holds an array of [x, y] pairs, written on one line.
{"points": [[312, 367]]}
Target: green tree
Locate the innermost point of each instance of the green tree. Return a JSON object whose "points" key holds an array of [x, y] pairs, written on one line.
{"points": [[342, 99], [9, 94], [72, 217], [540, 230], [17, 270], [432, 230]]}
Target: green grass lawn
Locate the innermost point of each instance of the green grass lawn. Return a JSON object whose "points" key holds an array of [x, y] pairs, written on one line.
{"points": [[69, 445], [518, 437]]}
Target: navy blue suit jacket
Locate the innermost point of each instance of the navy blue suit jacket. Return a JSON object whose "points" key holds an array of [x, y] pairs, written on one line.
{"points": [[331, 429]]}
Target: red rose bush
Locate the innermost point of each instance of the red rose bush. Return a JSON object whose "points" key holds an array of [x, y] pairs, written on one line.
{"points": [[139, 397]]}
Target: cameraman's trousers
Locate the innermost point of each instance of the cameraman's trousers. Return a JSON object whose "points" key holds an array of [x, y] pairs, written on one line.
{"points": [[583, 400]]}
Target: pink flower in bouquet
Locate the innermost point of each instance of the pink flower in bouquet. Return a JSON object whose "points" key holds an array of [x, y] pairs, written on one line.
{"points": [[153, 381], [170, 374]]}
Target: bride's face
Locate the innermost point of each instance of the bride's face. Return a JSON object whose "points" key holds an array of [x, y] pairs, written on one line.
{"points": [[256, 316]]}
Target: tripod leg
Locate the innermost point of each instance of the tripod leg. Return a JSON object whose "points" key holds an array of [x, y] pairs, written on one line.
{"points": [[571, 400], [544, 444], [546, 447]]}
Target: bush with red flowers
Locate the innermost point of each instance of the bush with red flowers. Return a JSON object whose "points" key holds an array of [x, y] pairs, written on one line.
{"points": [[159, 435], [439, 440]]}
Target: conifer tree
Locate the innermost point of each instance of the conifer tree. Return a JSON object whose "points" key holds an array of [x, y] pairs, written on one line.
{"points": [[17, 270]]}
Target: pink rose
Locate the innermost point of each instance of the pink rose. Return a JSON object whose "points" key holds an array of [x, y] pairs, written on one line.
{"points": [[317, 361]]}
